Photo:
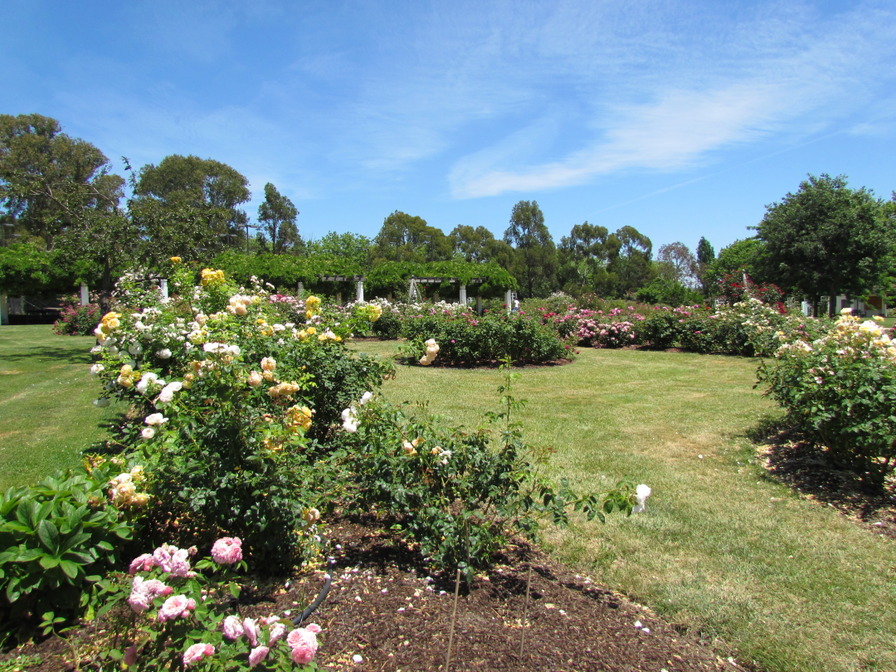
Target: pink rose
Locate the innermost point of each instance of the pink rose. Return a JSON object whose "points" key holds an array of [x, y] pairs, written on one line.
{"points": [[303, 642], [142, 563], [233, 627], [197, 652], [227, 550], [251, 630], [277, 632], [144, 591], [258, 654], [175, 607]]}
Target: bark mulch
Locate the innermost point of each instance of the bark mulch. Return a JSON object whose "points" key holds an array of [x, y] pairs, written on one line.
{"points": [[528, 613]]}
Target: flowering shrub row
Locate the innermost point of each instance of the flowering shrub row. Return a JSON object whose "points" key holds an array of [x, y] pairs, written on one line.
{"points": [[840, 388], [747, 328]]}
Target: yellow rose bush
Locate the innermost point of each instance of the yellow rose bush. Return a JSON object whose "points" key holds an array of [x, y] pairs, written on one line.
{"points": [[231, 409]]}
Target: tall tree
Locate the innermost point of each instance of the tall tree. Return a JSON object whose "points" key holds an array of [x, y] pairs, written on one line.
{"points": [[630, 260], [471, 244], [405, 237], [190, 206], [681, 263], [277, 215], [583, 256], [348, 245], [48, 180], [705, 256], [535, 255], [827, 239]]}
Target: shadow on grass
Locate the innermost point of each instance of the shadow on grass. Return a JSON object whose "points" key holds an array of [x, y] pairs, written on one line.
{"points": [[790, 457], [47, 354]]}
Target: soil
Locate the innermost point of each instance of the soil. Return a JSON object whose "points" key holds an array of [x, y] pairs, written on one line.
{"points": [[527, 613]]}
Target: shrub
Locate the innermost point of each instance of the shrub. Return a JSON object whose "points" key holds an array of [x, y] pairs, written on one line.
{"points": [[466, 339], [226, 403], [841, 390], [457, 494], [75, 319], [57, 538]]}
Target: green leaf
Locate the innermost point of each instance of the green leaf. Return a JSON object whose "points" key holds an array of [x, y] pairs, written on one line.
{"points": [[71, 569], [48, 534]]}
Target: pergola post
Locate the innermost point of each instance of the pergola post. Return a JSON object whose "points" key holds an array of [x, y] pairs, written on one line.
{"points": [[463, 295], [508, 300], [85, 294], [4, 309], [301, 289], [163, 287], [359, 290]]}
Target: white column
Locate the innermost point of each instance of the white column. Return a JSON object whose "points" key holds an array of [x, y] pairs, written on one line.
{"points": [[301, 289], [359, 291], [163, 286], [508, 300], [463, 295], [4, 309], [85, 294]]}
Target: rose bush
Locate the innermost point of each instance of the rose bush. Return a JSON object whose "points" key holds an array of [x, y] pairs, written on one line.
{"points": [[840, 388]]}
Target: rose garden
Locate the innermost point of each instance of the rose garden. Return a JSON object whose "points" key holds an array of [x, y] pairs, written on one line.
{"points": [[245, 422]]}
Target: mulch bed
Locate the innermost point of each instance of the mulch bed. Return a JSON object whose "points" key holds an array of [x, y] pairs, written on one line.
{"points": [[527, 613]]}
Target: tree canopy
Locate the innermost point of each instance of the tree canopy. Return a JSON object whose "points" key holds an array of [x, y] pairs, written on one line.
{"points": [[534, 262], [826, 239]]}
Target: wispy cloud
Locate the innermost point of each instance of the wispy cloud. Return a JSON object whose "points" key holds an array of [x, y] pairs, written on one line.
{"points": [[791, 86]]}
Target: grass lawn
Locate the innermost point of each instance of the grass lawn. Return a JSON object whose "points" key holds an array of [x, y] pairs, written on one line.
{"points": [[779, 579], [46, 411]]}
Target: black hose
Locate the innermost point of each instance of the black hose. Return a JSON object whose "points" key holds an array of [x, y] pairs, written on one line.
{"points": [[321, 596]]}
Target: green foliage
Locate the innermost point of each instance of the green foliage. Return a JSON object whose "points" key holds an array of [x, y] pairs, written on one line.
{"points": [[285, 270], [535, 257], [466, 339], [664, 290], [58, 537], [394, 276], [29, 268], [459, 494], [826, 240], [407, 238], [277, 215], [841, 390]]}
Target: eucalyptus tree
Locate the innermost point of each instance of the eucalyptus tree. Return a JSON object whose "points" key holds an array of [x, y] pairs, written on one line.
{"points": [[534, 262], [277, 215]]}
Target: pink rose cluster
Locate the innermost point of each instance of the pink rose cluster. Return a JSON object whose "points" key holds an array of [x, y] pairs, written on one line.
{"points": [[302, 641], [144, 591], [176, 606], [170, 559], [227, 550]]}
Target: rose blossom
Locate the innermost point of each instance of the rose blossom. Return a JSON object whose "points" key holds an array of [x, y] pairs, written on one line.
{"points": [[175, 607], [196, 652], [233, 627], [258, 654], [303, 642], [227, 550]]}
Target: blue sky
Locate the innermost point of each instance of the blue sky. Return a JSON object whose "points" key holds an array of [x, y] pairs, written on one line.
{"points": [[680, 118]]}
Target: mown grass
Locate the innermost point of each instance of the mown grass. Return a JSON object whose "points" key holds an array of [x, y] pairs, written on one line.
{"points": [[778, 579], [46, 414], [771, 576]]}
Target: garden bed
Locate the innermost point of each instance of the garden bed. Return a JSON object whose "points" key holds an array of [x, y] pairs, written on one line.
{"points": [[385, 607]]}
